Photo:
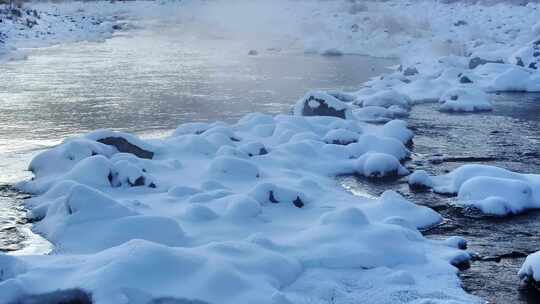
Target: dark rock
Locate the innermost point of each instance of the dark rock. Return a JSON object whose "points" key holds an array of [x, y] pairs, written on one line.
{"points": [[253, 53], [418, 187], [464, 79], [122, 145], [140, 181], [117, 27], [271, 198], [460, 23], [410, 71], [519, 62], [322, 110], [69, 296], [462, 265], [298, 202], [343, 142], [477, 61], [16, 12]]}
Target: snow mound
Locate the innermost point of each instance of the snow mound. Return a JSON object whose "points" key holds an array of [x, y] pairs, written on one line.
{"points": [[385, 99], [492, 190], [246, 210], [420, 179], [378, 165], [465, 100], [530, 270]]}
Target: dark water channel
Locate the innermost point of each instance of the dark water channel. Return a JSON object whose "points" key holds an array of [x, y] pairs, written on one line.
{"points": [[508, 137]]}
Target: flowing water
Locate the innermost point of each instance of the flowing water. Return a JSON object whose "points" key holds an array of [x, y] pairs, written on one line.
{"points": [[150, 80], [509, 138]]}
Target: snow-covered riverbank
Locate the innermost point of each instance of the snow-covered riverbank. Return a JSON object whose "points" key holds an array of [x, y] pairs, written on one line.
{"points": [[45, 24], [250, 210]]}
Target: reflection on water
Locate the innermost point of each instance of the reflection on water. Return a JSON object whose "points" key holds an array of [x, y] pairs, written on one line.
{"points": [[150, 80]]}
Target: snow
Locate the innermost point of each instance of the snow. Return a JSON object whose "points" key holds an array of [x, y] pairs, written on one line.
{"points": [[530, 271], [491, 190], [465, 100], [251, 210], [420, 179], [454, 49], [221, 214], [386, 99]]}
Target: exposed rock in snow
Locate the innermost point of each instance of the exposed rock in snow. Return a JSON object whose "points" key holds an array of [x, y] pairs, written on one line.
{"points": [[477, 61], [528, 56], [123, 145], [318, 103]]}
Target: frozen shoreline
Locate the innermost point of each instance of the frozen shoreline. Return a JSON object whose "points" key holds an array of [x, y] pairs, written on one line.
{"points": [[222, 195]]}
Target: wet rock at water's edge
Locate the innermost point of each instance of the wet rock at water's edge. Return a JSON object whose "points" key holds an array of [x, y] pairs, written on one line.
{"points": [[124, 146]]}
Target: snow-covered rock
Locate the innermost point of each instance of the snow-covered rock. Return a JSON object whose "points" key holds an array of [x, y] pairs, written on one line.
{"points": [[385, 99], [468, 99], [530, 270], [528, 56], [319, 103], [492, 190]]}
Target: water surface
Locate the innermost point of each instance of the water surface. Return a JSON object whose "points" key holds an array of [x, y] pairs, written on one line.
{"points": [[148, 81]]}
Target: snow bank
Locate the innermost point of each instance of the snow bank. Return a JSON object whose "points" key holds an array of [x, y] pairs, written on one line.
{"points": [[45, 24], [453, 54], [530, 271], [492, 190], [247, 210]]}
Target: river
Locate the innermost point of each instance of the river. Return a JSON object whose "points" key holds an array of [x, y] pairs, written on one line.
{"points": [[148, 81]]}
